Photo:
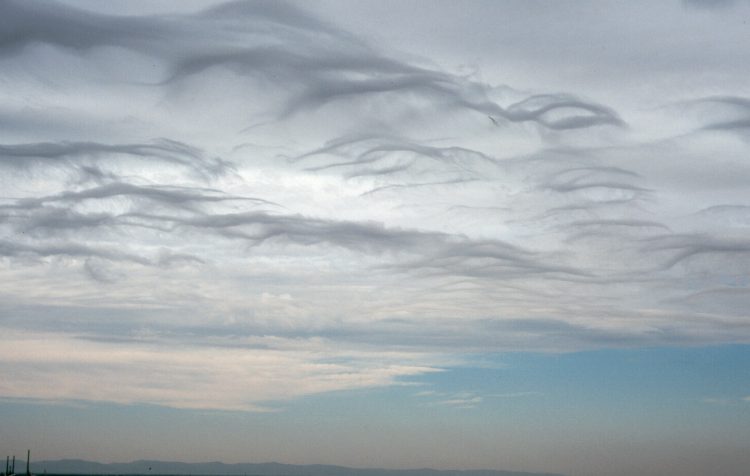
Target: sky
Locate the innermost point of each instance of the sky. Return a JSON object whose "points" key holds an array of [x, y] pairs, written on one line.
{"points": [[489, 234]]}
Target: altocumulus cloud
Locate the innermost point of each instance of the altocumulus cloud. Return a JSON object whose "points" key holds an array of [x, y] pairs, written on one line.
{"points": [[248, 204]]}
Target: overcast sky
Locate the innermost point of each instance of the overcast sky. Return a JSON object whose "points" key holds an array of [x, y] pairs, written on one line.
{"points": [[503, 234]]}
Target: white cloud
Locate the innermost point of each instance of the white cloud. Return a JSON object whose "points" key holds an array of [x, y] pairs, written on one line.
{"points": [[516, 394], [56, 367]]}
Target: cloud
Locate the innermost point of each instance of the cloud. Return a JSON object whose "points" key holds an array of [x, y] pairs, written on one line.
{"points": [[717, 401], [235, 379], [709, 4], [10, 249], [319, 63], [725, 401], [175, 196], [467, 400], [88, 154], [516, 394], [460, 400], [250, 191]]}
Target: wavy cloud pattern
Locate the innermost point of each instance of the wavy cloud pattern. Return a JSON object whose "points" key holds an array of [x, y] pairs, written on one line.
{"points": [[254, 198]]}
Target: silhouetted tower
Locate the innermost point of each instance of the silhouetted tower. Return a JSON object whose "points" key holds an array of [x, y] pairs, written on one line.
{"points": [[7, 467], [28, 459], [13, 465]]}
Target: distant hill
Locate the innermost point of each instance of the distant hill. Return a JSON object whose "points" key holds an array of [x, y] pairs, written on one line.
{"points": [[146, 467]]}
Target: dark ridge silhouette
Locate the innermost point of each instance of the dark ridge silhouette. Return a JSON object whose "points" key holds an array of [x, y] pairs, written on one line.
{"points": [[148, 467]]}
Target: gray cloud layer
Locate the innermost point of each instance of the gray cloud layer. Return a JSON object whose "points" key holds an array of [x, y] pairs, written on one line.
{"points": [[252, 181]]}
